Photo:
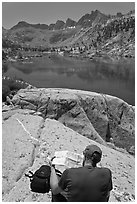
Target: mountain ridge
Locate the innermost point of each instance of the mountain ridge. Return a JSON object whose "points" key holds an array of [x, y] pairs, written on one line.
{"points": [[89, 14], [72, 22], [25, 24], [93, 34]]}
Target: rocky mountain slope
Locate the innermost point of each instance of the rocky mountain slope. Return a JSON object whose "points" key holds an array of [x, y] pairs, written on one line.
{"points": [[95, 17], [21, 153], [94, 33], [26, 33]]}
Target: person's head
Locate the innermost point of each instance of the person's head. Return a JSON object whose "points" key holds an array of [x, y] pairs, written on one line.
{"points": [[92, 155]]}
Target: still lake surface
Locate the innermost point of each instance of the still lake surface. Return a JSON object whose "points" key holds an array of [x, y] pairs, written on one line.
{"points": [[54, 71]]}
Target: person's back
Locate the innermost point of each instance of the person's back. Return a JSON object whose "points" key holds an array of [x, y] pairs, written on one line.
{"points": [[87, 184]]}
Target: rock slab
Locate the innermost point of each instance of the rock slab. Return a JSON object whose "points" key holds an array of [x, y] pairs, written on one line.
{"points": [[87, 113], [21, 153]]}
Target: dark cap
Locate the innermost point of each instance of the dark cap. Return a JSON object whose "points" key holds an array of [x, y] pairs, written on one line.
{"points": [[90, 149]]}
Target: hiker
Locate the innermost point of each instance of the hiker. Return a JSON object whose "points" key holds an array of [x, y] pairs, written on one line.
{"points": [[84, 184]]}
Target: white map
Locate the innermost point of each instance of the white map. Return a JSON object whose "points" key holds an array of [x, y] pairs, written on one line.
{"points": [[67, 159]]}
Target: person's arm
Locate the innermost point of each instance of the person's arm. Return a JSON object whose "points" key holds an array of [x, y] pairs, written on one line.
{"points": [[57, 186], [110, 186], [108, 195], [54, 182]]}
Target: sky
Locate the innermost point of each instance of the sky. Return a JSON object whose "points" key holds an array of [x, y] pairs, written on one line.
{"points": [[50, 12]]}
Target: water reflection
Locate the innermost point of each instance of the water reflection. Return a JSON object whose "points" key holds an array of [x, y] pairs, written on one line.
{"points": [[55, 71]]}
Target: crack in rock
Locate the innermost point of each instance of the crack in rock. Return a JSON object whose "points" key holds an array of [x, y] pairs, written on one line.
{"points": [[33, 154]]}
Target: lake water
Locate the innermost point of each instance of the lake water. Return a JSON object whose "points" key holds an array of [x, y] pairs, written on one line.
{"points": [[54, 71]]}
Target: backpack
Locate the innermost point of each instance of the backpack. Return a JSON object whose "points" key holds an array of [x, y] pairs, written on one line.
{"points": [[40, 180]]}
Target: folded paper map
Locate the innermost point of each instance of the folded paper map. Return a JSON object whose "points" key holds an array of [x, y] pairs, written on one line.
{"points": [[67, 159]]}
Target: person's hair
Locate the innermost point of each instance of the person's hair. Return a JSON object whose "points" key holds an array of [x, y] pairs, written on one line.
{"points": [[95, 158]]}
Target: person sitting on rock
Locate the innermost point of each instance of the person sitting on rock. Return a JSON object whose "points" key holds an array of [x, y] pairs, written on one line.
{"points": [[84, 184]]}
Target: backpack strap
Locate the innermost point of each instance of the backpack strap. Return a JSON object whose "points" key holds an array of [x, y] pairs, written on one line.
{"points": [[58, 172], [31, 172], [28, 175]]}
